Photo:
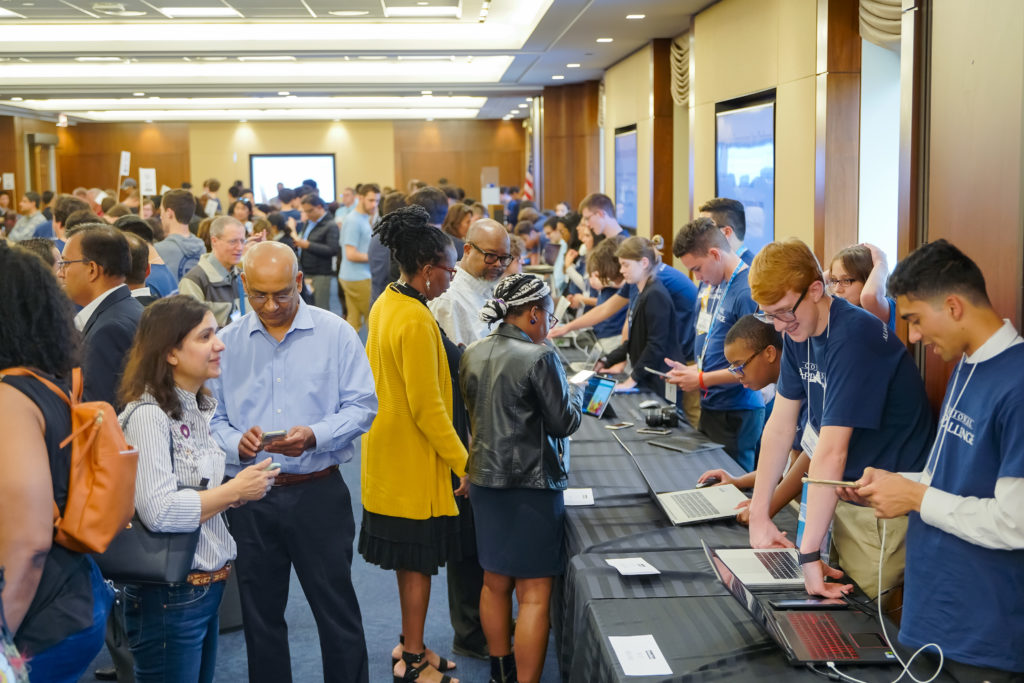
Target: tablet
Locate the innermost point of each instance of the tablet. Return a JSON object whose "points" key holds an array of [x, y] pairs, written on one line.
{"points": [[598, 392]]}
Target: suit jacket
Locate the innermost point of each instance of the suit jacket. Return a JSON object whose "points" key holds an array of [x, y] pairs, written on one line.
{"points": [[107, 337], [653, 336], [318, 257]]}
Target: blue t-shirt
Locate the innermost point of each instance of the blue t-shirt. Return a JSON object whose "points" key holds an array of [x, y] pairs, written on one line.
{"points": [[293, 213], [684, 299], [872, 386], [736, 304], [892, 313], [964, 597], [355, 232], [610, 327], [160, 281], [746, 255]]}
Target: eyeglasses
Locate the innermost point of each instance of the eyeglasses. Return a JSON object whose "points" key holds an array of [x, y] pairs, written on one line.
{"points": [[490, 258], [279, 299], [844, 281], [62, 264], [451, 271], [737, 370], [552, 319], [782, 316]]}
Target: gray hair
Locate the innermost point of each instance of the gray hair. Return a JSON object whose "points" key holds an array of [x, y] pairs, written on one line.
{"points": [[220, 224]]}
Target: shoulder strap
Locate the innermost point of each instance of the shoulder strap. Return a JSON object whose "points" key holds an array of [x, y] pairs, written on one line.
{"points": [[170, 439], [25, 372]]}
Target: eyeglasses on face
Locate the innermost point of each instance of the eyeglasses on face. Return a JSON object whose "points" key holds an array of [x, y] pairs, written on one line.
{"points": [[490, 258], [62, 264], [843, 282], [279, 299], [782, 316], [451, 271], [737, 370]]}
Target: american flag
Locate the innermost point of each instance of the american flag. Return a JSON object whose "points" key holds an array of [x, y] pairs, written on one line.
{"points": [[528, 183]]}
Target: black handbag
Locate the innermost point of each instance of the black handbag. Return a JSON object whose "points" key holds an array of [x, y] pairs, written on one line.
{"points": [[138, 555]]}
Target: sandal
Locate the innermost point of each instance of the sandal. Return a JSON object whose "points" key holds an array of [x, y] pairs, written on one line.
{"points": [[442, 664], [412, 672]]}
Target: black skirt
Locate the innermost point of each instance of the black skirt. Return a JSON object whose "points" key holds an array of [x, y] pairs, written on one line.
{"points": [[419, 545]]}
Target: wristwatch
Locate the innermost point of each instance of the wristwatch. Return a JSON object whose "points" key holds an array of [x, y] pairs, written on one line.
{"points": [[807, 558]]}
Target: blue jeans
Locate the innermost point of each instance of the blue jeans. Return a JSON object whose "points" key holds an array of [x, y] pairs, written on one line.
{"points": [[67, 661], [172, 631]]}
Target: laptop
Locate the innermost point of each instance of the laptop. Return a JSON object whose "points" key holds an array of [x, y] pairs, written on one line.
{"points": [[684, 443], [769, 568], [811, 636], [690, 506]]}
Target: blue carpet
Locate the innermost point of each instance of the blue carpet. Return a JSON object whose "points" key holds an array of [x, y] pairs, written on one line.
{"points": [[378, 600]]}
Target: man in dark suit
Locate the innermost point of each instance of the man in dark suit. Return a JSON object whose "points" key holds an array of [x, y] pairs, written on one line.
{"points": [[318, 245]]}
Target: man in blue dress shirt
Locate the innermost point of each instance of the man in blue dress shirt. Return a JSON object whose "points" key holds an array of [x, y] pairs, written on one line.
{"points": [[301, 370]]}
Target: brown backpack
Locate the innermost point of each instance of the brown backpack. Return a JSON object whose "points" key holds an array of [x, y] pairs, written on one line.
{"points": [[101, 485]]}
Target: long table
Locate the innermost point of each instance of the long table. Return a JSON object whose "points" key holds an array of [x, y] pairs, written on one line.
{"points": [[703, 632]]}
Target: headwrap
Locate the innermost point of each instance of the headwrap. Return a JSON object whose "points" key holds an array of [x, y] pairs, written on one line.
{"points": [[514, 290]]}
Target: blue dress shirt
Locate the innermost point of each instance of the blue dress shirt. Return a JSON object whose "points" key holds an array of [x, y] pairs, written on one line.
{"points": [[317, 376]]}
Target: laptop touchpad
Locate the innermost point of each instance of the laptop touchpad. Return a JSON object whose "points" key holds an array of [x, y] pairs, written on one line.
{"points": [[868, 639]]}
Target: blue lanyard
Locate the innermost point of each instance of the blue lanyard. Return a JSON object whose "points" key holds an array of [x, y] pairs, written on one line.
{"points": [[718, 304]]}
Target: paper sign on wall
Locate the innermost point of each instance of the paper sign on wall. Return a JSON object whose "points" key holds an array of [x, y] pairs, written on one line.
{"points": [[8, 181], [126, 164], [147, 181]]}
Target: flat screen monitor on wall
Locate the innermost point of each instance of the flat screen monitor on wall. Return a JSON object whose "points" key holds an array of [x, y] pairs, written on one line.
{"points": [[267, 170], [625, 175], [745, 162]]}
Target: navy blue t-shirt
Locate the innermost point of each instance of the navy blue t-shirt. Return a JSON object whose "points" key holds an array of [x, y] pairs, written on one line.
{"points": [[746, 255], [161, 281], [964, 597], [872, 386], [736, 304], [612, 326], [684, 299]]}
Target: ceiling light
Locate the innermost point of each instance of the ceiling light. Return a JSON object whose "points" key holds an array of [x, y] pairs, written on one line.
{"points": [[422, 3], [524, 105], [199, 12], [635, 16], [210, 59], [283, 93], [372, 58], [138, 94], [454, 12], [558, 77], [268, 58], [349, 13], [604, 40], [426, 92], [8, 14], [529, 99], [574, 65], [116, 9], [17, 99], [98, 59]]}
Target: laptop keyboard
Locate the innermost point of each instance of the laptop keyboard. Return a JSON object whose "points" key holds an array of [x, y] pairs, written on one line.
{"points": [[780, 565], [820, 634], [694, 504]]}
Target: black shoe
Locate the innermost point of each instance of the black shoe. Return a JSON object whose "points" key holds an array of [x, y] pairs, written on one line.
{"points": [[482, 655], [503, 669], [109, 674], [412, 672]]}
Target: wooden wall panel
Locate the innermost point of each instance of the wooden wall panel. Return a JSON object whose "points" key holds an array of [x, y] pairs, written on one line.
{"points": [[571, 149], [662, 153], [89, 153], [458, 150]]}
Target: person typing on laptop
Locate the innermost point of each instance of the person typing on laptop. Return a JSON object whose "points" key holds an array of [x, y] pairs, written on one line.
{"points": [[965, 541], [866, 406]]}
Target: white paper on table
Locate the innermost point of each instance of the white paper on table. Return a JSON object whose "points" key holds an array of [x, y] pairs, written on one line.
{"points": [[578, 496], [633, 566], [640, 656], [581, 377]]}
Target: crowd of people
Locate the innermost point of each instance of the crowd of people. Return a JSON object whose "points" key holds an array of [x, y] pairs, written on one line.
{"points": [[210, 331]]}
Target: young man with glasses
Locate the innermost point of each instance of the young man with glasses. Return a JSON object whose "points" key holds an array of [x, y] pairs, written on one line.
{"points": [[484, 259], [730, 414], [866, 406]]}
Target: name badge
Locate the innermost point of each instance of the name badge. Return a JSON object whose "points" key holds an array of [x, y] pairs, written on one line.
{"points": [[235, 315], [809, 440], [704, 319], [670, 393]]}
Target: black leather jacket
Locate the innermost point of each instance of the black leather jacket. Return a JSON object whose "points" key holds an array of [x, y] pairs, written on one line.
{"points": [[521, 409]]}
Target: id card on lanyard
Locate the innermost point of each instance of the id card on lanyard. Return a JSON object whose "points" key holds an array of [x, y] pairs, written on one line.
{"points": [[706, 319], [809, 444]]}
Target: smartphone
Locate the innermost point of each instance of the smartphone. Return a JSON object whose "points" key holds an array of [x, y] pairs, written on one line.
{"points": [[809, 603], [272, 466], [659, 373], [830, 482], [648, 430], [619, 425], [273, 436]]}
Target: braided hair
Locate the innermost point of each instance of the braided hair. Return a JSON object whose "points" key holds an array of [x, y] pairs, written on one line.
{"points": [[413, 242], [513, 295]]}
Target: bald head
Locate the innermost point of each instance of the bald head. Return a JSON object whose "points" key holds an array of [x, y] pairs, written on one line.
{"points": [[272, 258], [486, 240], [272, 282]]}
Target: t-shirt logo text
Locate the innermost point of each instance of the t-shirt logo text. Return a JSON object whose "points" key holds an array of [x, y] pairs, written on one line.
{"points": [[960, 425]]}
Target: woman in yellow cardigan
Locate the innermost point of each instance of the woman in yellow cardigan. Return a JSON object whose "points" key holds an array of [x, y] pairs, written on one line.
{"points": [[410, 520]]}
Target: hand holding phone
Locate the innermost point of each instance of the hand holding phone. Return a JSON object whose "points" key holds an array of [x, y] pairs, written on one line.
{"points": [[659, 373], [830, 482], [268, 437]]}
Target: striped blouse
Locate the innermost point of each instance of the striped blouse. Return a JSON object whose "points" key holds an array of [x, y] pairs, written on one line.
{"points": [[198, 462]]}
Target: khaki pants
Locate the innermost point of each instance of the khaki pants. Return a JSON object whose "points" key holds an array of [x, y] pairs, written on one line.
{"points": [[357, 301], [857, 540]]}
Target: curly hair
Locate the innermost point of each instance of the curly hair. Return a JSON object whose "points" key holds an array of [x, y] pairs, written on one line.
{"points": [[413, 242], [38, 329], [163, 327], [514, 295]]}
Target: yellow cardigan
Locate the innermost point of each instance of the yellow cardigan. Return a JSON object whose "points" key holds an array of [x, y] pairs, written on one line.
{"points": [[411, 448]]}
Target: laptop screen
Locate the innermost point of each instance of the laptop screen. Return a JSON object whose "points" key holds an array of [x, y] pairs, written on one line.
{"points": [[598, 392], [739, 591]]}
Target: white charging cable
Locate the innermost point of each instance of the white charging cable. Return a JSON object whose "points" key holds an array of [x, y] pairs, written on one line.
{"points": [[881, 620]]}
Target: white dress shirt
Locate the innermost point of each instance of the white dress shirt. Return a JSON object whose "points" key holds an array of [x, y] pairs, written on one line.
{"points": [[458, 310], [82, 317]]}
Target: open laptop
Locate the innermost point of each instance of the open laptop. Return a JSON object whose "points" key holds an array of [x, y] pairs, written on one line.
{"points": [[690, 506], [811, 636], [769, 568]]}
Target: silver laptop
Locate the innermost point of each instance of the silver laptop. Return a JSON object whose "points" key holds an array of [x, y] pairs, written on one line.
{"points": [[561, 308], [769, 568]]}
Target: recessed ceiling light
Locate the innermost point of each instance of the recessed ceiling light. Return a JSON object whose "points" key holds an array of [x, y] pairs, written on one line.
{"points": [[211, 59], [138, 94], [454, 11], [529, 99], [199, 12], [371, 58], [348, 13], [574, 65], [604, 40], [116, 9], [282, 93], [98, 59], [558, 77], [426, 92], [635, 16], [524, 105], [28, 4], [268, 58], [17, 99], [8, 14], [422, 3]]}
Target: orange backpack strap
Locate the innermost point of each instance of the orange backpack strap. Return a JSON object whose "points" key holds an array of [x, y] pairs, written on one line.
{"points": [[25, 372], [76, 385]]}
